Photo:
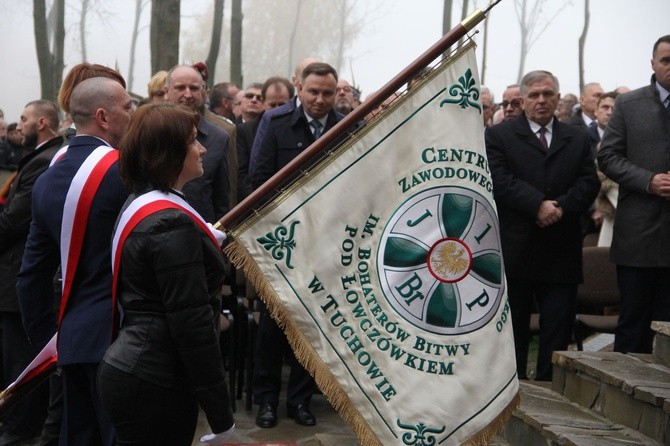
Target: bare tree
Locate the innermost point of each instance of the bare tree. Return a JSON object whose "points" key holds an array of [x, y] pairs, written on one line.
{"points": [[49, 42], [236, 75], [82, 27], [164, 34], [272, 45], [139, 5], [529, 13], [582, 42], [294, 32], [215, 44], [485, 35]]}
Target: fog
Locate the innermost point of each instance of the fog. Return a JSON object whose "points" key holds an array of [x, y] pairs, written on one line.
{"points": [[618, 47]]}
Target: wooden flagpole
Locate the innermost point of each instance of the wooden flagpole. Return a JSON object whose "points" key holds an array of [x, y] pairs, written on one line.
{"points": [[269, 187]]}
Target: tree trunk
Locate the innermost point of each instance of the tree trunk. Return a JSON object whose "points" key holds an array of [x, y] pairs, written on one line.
{"points": [[133, 44], [342, 26], [291, 43], [215, 44], [582, 42], [524, 42], [236, 18], [82, 28], [446, 16], [485, 36], [50, 63], [164, 34]]}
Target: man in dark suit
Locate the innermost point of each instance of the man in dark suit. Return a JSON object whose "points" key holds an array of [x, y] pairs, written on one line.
{"points": [[276, 92], [209, 194], [101, 110], [634, 153], [588, 102], [280, 110], [544, 177], [38, 128], [287, 135]]}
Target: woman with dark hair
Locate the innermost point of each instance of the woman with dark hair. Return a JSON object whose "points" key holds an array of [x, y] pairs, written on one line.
{"points": [[168, 271]]}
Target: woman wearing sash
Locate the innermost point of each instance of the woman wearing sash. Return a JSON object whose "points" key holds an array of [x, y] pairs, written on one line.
{"points": [[168, 272]]}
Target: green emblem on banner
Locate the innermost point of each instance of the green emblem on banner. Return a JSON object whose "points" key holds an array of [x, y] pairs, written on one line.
{"points": [[440, 262], [464, 92], [280, 243], [420, 434]]}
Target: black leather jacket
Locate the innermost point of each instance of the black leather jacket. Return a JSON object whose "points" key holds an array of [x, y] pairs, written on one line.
{"points": [[170, 281]]}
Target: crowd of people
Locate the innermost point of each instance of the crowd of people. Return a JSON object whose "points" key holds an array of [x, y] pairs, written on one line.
{"points": [[107, 239]]}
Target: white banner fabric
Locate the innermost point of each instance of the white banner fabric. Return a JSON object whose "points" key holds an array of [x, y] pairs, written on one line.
{"points": [[384, 267]]}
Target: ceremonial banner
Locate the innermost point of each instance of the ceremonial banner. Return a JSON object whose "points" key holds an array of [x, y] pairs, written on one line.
{"points": [[384, 267]]}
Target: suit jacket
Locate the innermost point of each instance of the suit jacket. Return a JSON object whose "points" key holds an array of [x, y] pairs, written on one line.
{"points": [[210, 193], [263, 121], [15, 219], [524, 175], [578, 120], [634, 148], [287, 135], [230, 129], [86, 328], [246, 133]]}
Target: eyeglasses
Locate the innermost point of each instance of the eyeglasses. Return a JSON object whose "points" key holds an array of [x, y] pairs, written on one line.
{"points": [[515, 103], [252, 95]]}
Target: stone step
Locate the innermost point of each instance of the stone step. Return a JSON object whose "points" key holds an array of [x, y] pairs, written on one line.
{"points": [[626, 389], [661, 354], [546, 418]]}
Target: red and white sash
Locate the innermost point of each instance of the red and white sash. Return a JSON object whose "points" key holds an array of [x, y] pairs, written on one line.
{"points": [[76, 211], [140, 208]]}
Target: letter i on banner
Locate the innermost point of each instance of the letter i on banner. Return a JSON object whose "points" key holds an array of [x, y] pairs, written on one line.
{"points": [[384, 266]]}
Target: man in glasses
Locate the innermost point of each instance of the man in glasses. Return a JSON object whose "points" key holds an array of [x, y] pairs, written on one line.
{"points": [[512, 103], [251, 105]]}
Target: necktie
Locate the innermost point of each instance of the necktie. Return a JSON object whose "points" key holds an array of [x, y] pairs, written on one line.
{"points": [[316, 128], [543, 139], [667, 105]]}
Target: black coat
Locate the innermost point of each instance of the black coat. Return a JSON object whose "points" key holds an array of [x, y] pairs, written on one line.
{"points": [[523, 176], [286, 137], [15, 220], [169, 287]]}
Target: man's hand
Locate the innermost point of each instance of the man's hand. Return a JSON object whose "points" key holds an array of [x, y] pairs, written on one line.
{"points": [[660, 185], [548, 213]]}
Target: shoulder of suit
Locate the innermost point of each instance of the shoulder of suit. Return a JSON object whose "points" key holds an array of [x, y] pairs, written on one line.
{"points": [[281, 114]]}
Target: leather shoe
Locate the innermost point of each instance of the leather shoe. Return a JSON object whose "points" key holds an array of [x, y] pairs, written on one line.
{"points": [[267, 416], [301, 414]]}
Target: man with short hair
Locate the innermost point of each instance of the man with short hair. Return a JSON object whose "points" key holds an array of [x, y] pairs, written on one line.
{"points": [[603, 114], [289, 106], [512, 103], [634, 153], [544, 177], [344, 101], [276, 92], [75, 203], [222, 98], [287, 135], [488, 105], [210, 193], [588, 101], [38, 129], [251, 104]]}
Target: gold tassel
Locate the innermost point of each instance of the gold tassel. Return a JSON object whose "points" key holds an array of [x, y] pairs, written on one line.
{"points": [[304, 351], [313, 363]]}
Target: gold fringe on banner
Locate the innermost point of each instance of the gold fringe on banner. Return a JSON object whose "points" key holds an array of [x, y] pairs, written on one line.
{"points": [[496, 426], [312, 362], [304, 351]]}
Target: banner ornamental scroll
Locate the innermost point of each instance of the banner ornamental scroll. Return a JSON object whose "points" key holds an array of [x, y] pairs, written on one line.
{"points": [[384, 267]]}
